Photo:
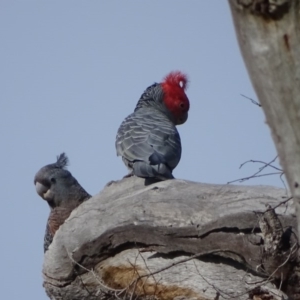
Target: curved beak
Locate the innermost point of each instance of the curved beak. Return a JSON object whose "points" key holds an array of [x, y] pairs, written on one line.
{"points": [[41, 189]]}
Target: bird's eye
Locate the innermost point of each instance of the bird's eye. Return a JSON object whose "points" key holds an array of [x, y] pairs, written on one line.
{"points": [[182, 105], [52, 179]]}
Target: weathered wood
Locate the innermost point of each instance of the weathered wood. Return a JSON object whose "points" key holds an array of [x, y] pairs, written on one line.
{"points": [[269, 37], [171, 239]]}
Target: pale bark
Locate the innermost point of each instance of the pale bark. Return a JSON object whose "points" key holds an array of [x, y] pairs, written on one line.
{"points": [[131, 230], [269, 37]]}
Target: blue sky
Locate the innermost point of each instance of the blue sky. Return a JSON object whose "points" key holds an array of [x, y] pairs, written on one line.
{"points": [[71, 71]]}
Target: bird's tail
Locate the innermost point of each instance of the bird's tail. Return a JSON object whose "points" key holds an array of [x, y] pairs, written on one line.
{"points": [[160, 171]]}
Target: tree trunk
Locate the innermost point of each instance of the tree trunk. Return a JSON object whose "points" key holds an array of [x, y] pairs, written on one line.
{"points": [[173, 239], [268, 32]]}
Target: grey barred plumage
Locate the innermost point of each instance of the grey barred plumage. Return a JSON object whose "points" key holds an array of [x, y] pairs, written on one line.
{"points": [[148, 140], [148, 96], [62, 191], [149, 144]]}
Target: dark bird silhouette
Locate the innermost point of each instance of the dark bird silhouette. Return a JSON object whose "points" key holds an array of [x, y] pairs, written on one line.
{"points": [[62, 191]]}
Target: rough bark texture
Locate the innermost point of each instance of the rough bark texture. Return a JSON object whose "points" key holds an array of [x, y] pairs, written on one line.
{"points": [[268, 32], [174, 239]]}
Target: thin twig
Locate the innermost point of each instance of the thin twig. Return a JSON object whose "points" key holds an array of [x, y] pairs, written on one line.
{"points": [[257, 173], [94, 274], [269, 164], [219, 291], [253, 176], [145, 263], [285, 187], [253, 101]]}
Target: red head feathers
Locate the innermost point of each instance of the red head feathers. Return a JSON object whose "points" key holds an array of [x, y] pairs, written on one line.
{"points": [[175, 99]]}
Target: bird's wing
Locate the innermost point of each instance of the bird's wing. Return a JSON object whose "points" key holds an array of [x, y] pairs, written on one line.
{"points": [[149, 136]]}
